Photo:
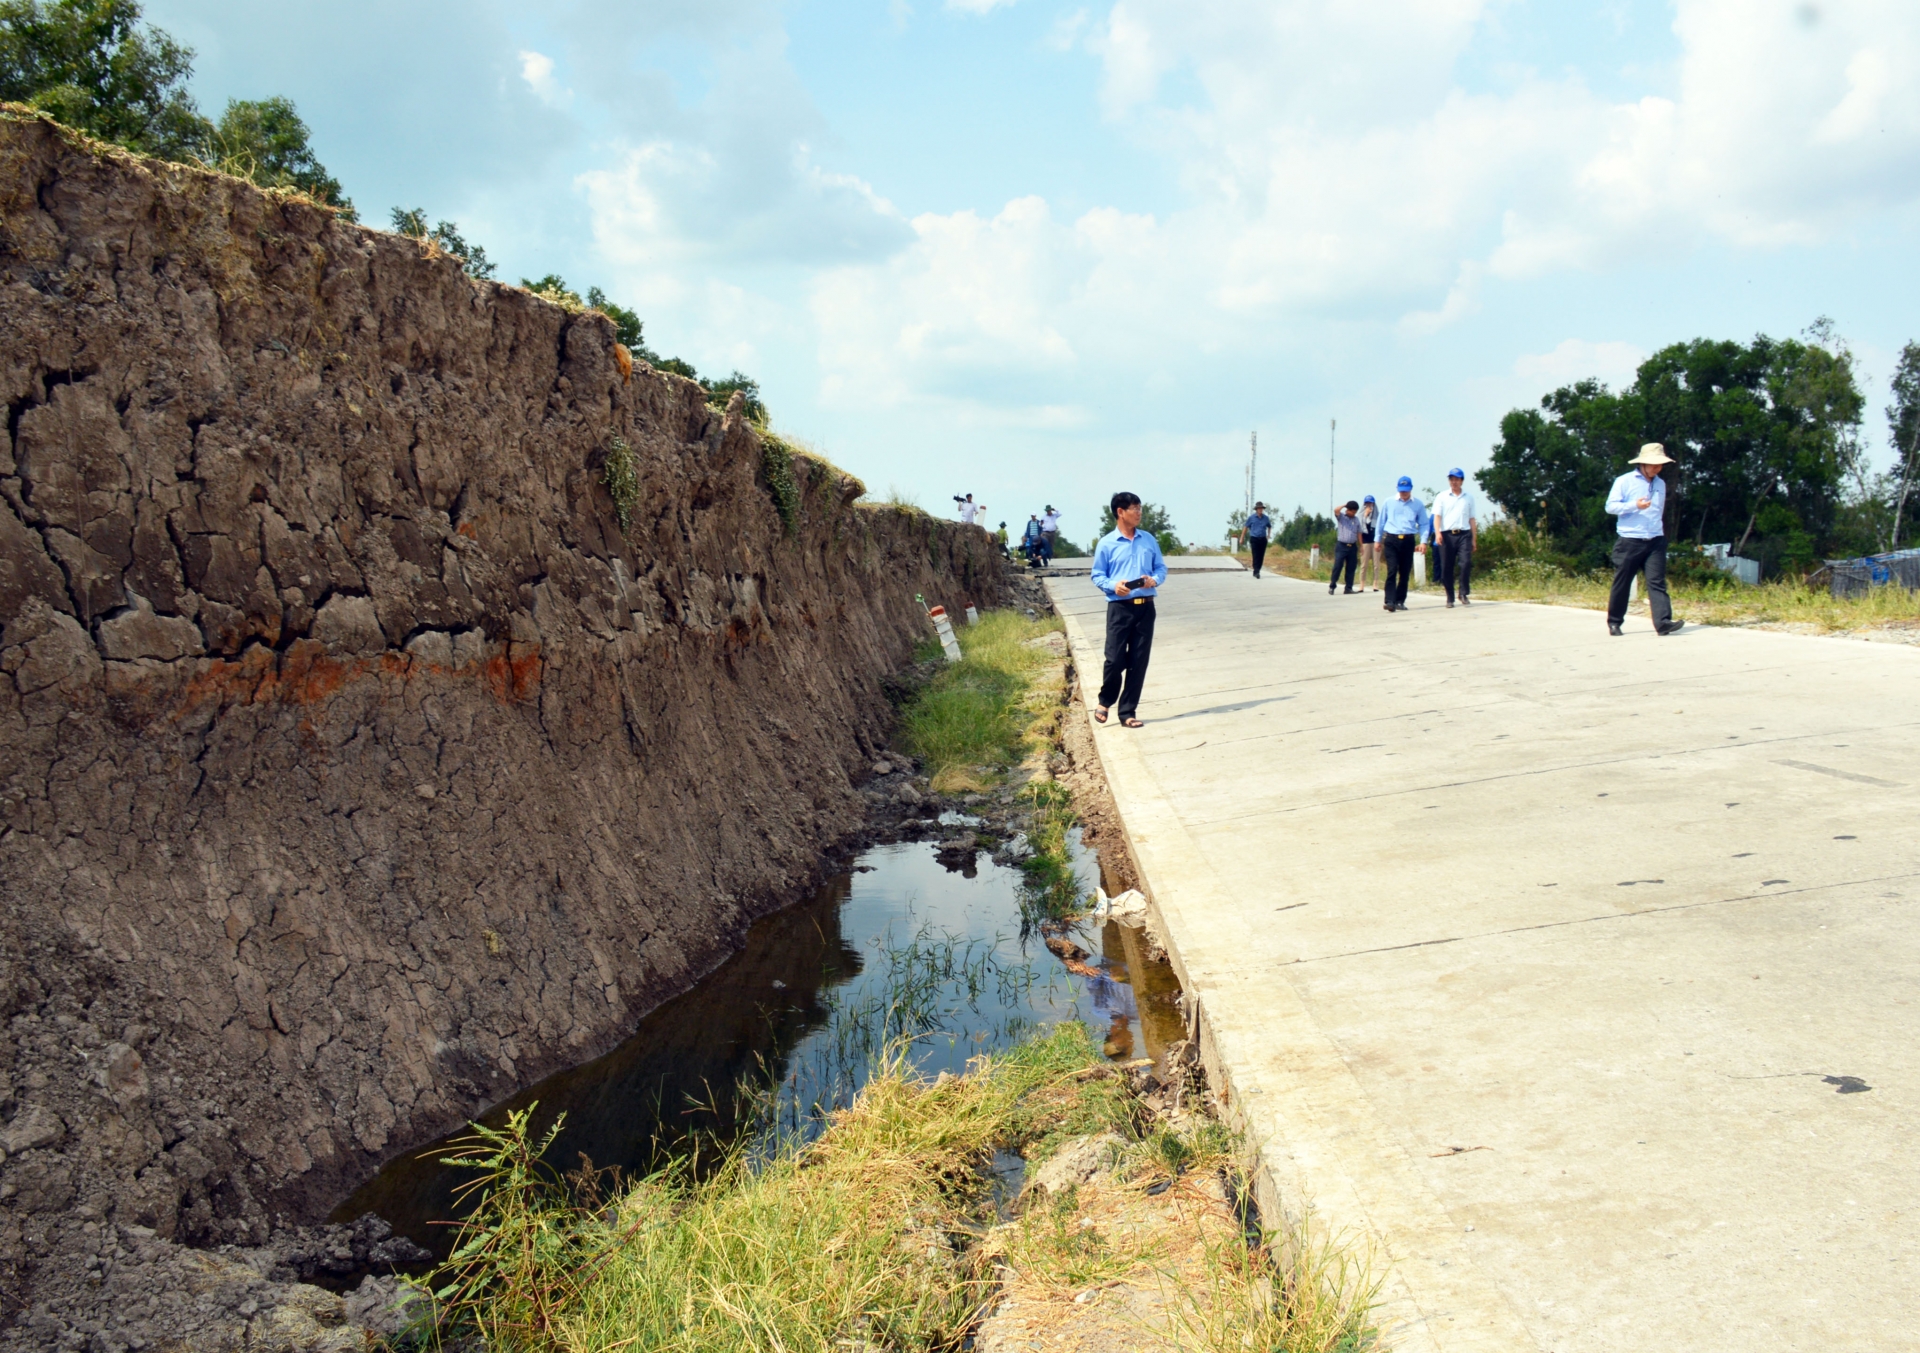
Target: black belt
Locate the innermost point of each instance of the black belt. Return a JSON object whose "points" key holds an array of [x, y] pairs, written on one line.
{"points": [[1399, 535], [1453, 533]]}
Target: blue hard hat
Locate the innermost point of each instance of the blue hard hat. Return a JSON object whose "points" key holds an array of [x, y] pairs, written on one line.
{"points": [[1369, 498], [1456, 473], [1406, 482]]}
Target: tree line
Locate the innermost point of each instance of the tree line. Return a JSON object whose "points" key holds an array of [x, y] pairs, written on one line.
{"points": [[1767, 434], [94, 66]]}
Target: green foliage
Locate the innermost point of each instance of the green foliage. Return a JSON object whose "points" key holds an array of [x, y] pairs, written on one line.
{"points": [[622, 479], [676, 366], [1774, 419], [266, 140], [446, 235], [92, 65], [776, 467], [554, 288], [1052, 890], [720, 391], [1903, 434], [626, 324], [1303, 530], [513, 1265], [1154, 520], [1066, 549]]}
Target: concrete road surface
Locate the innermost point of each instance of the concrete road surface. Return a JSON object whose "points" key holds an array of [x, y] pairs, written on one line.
{"points": [[1577, 976]]}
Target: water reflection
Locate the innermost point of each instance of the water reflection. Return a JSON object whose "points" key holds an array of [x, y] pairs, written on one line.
{"points": [[902, 944]]}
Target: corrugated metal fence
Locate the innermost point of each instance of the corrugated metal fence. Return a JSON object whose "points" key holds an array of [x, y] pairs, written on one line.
{"points": [[1901, 568]]}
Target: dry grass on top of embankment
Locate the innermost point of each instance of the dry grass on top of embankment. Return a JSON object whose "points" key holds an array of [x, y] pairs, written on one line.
{"points": [[1886, 612]]}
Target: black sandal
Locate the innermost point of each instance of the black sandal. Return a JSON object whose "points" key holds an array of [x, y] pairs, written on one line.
{"points": [[1099, 713], [1132, 723]]}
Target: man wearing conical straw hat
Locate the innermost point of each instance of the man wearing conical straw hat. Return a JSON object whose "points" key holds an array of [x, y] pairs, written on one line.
{"points": [[1638, 501]]}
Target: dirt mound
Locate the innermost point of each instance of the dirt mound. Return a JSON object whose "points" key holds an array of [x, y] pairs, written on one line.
{"points": [[356, 766]]}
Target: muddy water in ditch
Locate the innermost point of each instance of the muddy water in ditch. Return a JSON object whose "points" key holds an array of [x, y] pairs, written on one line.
{"points": [[898, 946]]}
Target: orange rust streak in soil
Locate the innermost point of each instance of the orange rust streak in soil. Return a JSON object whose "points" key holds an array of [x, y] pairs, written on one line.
{"points": [[306, 675]]}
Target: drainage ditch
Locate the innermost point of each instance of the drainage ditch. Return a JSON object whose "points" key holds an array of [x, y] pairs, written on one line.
{"points": [[910, 948]]}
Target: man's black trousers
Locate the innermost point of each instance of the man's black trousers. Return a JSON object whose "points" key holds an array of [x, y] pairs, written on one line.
{"points": [[1456, 551], [1345, 555], [1129, 645], [1258, 544], [1399, 552], [1630, 557]]}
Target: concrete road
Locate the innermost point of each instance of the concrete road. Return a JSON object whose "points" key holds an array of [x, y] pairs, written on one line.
{"points": [[1579, 977]]}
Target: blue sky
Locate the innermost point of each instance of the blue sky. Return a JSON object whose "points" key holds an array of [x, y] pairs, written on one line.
{"points": [[1039, 251]]}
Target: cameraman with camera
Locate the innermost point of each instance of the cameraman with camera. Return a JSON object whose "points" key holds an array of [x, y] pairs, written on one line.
{"points": [[968, 508]]}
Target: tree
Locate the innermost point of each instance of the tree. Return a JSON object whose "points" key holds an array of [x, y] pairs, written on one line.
{"points": [[1764, 433], [626, 324], [1903, 432], [1552, 465], [92, 65], [1303, 530], [1154, 520], [720, 391], [447, 236], [266, 140]]}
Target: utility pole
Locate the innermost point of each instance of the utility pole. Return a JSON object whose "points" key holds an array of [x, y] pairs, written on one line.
{"points": [[1333, 426]]}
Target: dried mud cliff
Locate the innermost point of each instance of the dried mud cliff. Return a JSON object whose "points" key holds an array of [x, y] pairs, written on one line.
{"points": [[356, 766]]}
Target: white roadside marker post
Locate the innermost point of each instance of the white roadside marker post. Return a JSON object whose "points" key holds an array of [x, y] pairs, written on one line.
{"points": [[948, 644]]}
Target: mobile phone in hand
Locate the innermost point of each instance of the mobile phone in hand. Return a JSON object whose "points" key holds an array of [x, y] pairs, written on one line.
{"points": [[1135, 584]]}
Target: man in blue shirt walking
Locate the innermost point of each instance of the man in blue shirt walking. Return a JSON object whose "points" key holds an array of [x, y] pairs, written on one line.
{"points": [[1129, 569], [1255, 532], [1638, 500], [1403, 526]]}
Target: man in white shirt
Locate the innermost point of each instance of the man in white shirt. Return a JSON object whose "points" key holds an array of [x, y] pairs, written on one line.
{"points": [[1638, 500], [1049, 531], [969, 510], [1456, 530]]}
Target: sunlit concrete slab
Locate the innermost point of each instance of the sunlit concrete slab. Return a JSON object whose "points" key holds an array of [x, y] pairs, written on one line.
{"points": [[1176, 563], [1580, 976]]}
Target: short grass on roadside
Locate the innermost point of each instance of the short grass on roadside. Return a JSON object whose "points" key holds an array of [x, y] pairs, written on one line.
{"points": [[985, 713], [1784, 602]]}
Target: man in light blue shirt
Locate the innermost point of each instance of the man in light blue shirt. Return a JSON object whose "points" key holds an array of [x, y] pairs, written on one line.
{"points": [[1638, 500], [1403, 526], [1129, 569]]}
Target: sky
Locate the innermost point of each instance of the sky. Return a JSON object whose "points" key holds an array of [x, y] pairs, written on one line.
{"points": [[1040, 250]]}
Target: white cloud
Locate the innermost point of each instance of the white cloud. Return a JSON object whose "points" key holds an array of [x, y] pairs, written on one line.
{"points": [[977, 6], [537, 70], [1333, 167], [1576, 359]]}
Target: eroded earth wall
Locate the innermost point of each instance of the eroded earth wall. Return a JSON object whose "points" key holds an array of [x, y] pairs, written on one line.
{"points": [[356, 767]]}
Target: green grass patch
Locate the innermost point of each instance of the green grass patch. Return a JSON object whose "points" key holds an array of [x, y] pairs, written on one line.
{"points": [[987, 712]]}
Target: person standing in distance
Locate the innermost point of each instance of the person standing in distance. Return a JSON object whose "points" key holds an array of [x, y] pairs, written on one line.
{"points": [[1369, 543], [1456, 531], [1050, 531], [1403, 527], [1639, 500], [1255, 533], [1129, 569], [969, 509], [1346, 546]]}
